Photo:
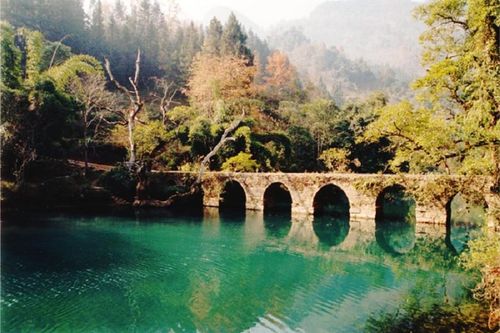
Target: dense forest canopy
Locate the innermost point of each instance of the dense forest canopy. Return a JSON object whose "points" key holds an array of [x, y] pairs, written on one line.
{"points": [[193, 81], [176, 86]]}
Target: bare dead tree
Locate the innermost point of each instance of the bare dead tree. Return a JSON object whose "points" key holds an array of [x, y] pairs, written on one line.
{"points": [[223, 140], [135, 99], [165, 93], [59, 43], [96, 102]]}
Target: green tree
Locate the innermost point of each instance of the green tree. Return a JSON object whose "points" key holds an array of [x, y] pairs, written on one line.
{"points": [[234, 40], [213, 37], [454, 126], [243, 162], [335, 159], [97, 28]]}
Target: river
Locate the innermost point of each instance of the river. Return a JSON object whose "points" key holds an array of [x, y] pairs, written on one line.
{"points": [[157, 272]]}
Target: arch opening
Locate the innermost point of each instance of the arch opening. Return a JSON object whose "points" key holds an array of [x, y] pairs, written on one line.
{"points": [[395, 220], [232, 199], [465, 217], [277, 200], [331, 215], [277, 210]]}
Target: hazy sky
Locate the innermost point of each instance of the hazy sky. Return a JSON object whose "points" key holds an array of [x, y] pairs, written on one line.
{"points": [[262, 12]]}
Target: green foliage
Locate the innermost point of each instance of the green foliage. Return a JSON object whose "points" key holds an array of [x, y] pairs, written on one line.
{"points": [[72, 68], [335, 159], [120, 182], [233, 40], [303, 155], [200, 137], [34, 51], [423, 140], [243, 162], [483, 256], [150, 139], [454, 127], [213, 38], [11, 58]]}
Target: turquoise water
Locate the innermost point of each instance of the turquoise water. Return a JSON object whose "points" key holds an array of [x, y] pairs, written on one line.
{"points": [[138, 273]]}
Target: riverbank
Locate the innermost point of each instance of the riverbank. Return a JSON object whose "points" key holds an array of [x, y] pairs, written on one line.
{"points": [[57, 185]]}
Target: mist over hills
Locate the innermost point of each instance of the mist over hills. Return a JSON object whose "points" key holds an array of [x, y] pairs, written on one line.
{"points": [[382, 32], [349, 48]]}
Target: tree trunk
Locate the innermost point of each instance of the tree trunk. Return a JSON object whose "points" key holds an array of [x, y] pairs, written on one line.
{"points": [[86, 157], [85, 145], [131, 123]]}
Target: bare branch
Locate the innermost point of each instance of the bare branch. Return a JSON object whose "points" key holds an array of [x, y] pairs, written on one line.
{"points": [[57, 49], [224, 138], [451, 19], [117, 84], [137, 66]]}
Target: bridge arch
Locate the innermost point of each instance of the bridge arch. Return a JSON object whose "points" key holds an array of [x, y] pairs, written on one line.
{"points": [[331, 200], [331, 215], [465, 216], [232, 197], [395, 220], [395, 204], [277, 199]]}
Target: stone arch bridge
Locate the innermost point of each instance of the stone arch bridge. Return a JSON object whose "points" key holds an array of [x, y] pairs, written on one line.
{"points": [[303, 188]]}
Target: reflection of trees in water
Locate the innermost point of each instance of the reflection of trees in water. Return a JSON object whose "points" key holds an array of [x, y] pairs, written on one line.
{"points": [[395, 220], [465, 218], [331, 215], [395, 237], [425, 309], [278, 224], [330, 230]]}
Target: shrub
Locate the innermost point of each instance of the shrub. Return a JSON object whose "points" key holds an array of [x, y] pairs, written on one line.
{"points": [[120, 182], [242, 162], [335, 159]]}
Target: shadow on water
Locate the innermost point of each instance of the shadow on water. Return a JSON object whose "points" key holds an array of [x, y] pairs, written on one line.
{"points": [[395, 220], [331, 215], [465, 219], [331, 230], [277, 224], [277, 210], [232, 217], [84, 249]]}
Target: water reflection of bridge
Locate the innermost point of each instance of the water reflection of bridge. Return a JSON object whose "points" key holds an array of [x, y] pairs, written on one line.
{"points": [[304, 234], [303, 194]]}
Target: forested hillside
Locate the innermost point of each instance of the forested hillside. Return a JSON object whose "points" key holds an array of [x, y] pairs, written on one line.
{"points": [[190, 82], [128, 82], [383, 32], [329, 68]]}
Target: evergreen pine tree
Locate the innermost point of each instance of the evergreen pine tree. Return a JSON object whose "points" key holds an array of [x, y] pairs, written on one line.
{"points": [[213, 39], [234, 39]]}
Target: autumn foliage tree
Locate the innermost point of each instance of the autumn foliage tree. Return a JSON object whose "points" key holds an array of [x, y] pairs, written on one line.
{"points": [[281, 81], [217, 81]]}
